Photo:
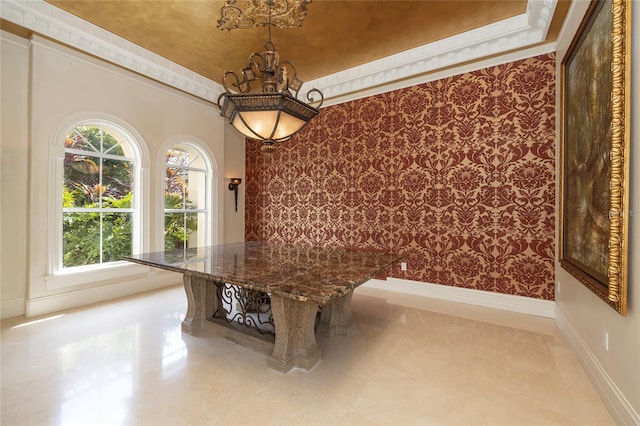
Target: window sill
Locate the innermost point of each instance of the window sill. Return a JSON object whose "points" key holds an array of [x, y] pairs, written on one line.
{"points": [[93, 274]]}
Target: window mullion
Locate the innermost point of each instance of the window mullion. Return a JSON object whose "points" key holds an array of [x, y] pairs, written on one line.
{"points": [[99, 155], [101, 169], [96, 210], [184, 229], [100, 239], [181, 210]]}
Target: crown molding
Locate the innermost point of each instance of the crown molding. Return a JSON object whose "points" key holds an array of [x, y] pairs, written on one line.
{"points": [[514, 33], [517, 32], [59, 25], [539, 49]]}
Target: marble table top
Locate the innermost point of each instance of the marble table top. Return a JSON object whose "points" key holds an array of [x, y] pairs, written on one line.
{"points": [[300, 272]]}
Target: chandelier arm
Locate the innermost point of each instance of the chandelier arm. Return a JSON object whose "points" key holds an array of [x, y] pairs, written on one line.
{"points": [[261, 64], [293, 67], [314, 101], [220, 98], [224, 80], [292, 75]]}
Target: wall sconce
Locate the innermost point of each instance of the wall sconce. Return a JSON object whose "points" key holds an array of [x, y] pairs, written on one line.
{"points": [[233, 186]]}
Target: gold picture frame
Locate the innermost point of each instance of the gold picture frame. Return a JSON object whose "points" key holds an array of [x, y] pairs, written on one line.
{"points": [[594, 171]]}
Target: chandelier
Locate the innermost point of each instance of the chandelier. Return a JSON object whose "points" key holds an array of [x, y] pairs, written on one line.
{"points": [[275, 113]]}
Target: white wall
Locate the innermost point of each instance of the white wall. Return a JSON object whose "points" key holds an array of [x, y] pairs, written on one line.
{"points": [[14, 73], [64, 83], [583, 317]]}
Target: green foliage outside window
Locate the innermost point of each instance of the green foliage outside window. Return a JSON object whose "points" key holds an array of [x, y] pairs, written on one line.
{"points": [[81, 241], [177, 226], [97, 199]]}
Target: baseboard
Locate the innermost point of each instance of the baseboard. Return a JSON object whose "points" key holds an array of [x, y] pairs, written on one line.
{"points": [[12, 308], [74, 299], [507, 302], [619, 408]]}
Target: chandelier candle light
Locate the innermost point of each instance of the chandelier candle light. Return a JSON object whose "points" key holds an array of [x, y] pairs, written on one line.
{"points": [[274, 114]]}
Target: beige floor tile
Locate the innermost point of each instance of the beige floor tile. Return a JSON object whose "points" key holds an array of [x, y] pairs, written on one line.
{"points": [[410, 361]]}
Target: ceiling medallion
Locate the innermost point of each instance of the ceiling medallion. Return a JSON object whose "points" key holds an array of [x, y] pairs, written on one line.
{"points": [[243, 14], [275, 113]]}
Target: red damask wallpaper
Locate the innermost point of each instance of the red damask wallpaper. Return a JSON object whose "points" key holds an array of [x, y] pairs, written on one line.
{"points": [[457, 174]]}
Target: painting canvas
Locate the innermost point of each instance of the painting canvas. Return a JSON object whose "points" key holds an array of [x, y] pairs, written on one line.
{"points": [[594, 187]]}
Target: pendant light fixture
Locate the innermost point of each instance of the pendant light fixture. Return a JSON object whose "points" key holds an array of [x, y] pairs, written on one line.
{"points": [[274, 113]]}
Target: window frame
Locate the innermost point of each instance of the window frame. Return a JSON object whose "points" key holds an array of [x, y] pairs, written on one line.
{"points": [[59, 276], [209, 170]]}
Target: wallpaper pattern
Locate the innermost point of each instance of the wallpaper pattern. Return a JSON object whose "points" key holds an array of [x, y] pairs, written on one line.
{"points": [[457, 174]]}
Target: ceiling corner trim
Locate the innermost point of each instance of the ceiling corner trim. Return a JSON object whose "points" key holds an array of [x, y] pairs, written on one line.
{"points": [[513, 33], [59, 25]]}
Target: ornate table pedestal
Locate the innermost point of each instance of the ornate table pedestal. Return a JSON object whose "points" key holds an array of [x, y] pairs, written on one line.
{"points": [[294, 322]]}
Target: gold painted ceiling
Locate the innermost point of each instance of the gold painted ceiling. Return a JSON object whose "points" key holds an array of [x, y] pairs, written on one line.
{"points": [[336, 35]]}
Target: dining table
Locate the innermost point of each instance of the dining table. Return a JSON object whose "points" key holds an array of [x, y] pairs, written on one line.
{"points": [[269, 296]]}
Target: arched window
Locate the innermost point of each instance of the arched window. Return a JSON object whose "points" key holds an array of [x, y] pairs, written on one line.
{"points": [[99, 195], [187, 200]]}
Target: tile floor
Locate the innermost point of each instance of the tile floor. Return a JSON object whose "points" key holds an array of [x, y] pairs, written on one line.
{"points": [[411, 361]]}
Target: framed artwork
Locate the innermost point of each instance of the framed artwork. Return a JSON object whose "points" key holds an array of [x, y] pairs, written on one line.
{"points": [[594, 192]]}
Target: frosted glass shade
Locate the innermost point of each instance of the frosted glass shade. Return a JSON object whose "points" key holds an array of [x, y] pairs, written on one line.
{"points": [[266, 116]]}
